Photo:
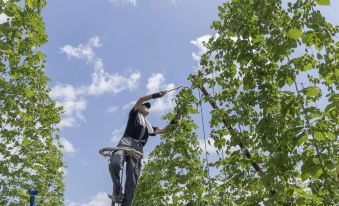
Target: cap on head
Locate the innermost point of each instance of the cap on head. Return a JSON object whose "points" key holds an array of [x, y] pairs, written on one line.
{"points": [[147, 104]]}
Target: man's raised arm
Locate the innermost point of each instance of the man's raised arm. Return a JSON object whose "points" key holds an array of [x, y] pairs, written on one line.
{"points": [[148, 97]]}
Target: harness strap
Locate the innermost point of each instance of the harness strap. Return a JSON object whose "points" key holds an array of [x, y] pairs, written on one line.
{"points": [[107, 151], [132, 151]]}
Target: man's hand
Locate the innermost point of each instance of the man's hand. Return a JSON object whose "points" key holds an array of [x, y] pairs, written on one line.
{"points": [[170, 125], [163, 93], [158, 95]]}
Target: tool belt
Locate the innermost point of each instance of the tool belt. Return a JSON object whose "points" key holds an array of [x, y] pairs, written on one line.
{"points": [[108, 151], [130, 151], [131, 146]]}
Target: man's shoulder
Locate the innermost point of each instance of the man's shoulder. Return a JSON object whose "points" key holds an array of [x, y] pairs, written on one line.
{"points": [[133, 113]]}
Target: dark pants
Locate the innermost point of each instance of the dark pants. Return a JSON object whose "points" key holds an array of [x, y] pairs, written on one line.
{"points": [[133, 166]]}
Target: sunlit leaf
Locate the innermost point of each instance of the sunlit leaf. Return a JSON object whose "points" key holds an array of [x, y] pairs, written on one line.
{"points": [[294, 33], [311, 91], [323, 2]]}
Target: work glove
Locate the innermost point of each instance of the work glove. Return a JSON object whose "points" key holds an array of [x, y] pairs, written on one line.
{"points": [[159, 94]]}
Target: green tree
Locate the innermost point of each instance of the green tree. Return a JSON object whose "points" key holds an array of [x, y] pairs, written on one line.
{"points": [[274, 65], [174, 173], [273, 70], [30, 156]]}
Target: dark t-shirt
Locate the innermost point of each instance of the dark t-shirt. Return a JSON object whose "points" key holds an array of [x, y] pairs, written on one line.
{"points": [[134, 128]]}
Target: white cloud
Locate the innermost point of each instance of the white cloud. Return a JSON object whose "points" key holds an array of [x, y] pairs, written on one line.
{"points": [[124, 2], [101, 199], [74, 107], [94, 42], [68, 146], [64, 91], [132, 81], [73, 104], [156, 83], [199, 42], [73, 99], [103, 82], [82, 51], [165, 103]]}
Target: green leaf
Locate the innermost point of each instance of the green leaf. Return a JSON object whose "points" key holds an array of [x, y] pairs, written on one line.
{"points": [[330, 165], [311, 91], [30, 4], [319, 56], [318, 173], [2, 67], [269, 202], [26, 117], [331, 135], [323, 2], [4, 28], [302, 140], [308, 67], [258, 38], [318, 135], [310, 168], [294, 33], [331, 107], [308, 38], [217, 24], [28, 92], [301, 201], [289, 80]]}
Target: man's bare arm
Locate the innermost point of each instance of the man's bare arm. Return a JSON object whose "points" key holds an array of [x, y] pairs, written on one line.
{"points": [[141, 100], [148, 97], [167, 128]]}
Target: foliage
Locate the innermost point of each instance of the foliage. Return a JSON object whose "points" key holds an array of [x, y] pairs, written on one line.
{"points": [[174, 174], [274, 68], [29, 154]]}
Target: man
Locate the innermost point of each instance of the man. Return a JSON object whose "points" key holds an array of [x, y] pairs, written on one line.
{"points": [[130, 149]]}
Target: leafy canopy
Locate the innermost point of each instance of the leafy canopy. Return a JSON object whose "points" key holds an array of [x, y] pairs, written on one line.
{"points": [[272, 69], [30, 156]]}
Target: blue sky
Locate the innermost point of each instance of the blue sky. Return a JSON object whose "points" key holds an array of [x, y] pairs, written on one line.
{"points": [[104, 54], [101, 56]]}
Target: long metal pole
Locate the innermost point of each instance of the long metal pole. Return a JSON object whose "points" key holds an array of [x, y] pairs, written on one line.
{"points": [[174, 88]]}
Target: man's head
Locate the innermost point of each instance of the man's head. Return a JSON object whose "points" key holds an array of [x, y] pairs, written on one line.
{"points": [[144, 109]]}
